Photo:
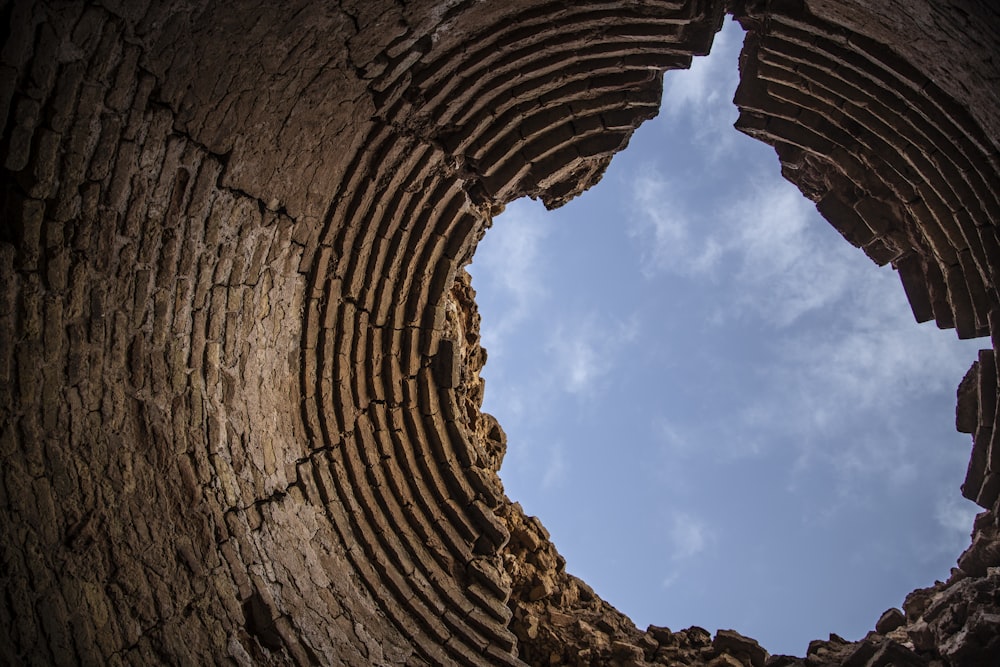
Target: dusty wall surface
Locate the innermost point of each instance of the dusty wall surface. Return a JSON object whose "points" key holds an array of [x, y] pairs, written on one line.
{"points": [[239, 394]]}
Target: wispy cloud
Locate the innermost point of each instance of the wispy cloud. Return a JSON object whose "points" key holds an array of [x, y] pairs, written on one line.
{"points": [[765, 241], [554, 474], [585, 349], [675, 442], [510, 270], [838, 389], [955, 515], [868, 365], [665, 230], [581, 364], [840, 348], [773, 237], [880, 366], [539, 463], [700, 96], [688, 536]]}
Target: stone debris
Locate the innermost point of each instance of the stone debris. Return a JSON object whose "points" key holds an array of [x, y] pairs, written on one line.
{"points": [[733, 643], [889, 621]]}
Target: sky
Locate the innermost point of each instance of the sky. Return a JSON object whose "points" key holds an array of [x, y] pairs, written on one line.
{"points": [[724, 414]]}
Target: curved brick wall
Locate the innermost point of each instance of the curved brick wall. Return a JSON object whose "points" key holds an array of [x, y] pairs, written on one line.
{"points": [[239, 354]]}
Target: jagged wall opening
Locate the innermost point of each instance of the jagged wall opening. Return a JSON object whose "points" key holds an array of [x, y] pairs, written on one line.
{"points": [[623, 367], [239, 407]]}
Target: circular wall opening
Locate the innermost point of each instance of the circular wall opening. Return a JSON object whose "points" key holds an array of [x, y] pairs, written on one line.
{"points": [[725, 415]]}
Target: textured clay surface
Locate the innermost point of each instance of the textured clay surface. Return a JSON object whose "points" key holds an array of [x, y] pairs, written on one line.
{"points": [[239, 354]]}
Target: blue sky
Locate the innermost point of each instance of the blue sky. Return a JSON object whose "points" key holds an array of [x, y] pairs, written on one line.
{"points": [[724, 414]]}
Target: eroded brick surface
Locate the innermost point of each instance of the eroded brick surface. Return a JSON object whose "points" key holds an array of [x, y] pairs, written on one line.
{"points": [[239, 357]]}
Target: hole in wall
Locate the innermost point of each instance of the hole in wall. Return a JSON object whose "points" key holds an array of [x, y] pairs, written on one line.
{"points": [[724, 414]]}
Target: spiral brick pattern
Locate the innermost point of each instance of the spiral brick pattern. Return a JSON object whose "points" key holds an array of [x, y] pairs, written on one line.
{"points": [[239, 354]]}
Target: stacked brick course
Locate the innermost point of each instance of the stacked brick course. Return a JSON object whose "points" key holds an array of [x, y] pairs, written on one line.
{"points": [[240, 416]]}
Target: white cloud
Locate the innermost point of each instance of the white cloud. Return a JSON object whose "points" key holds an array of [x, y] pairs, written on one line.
{"points": [[700, 96], [669, 242], [788, 267], [890, 458], [675, 442], [582, 364], [670, 579], [848, 391], [876, 357], [955, 514], [584, 350], [508, 266], [843, 348], [555, 468], [535, 463], [765, 241], [689, 536]]}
